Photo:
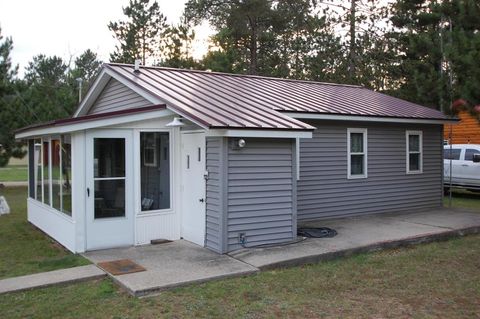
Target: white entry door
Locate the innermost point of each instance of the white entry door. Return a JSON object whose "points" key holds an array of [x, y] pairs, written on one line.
{"points": [[109, 220], [193, 184]]}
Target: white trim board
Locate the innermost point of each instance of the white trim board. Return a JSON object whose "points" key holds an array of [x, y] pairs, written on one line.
{"points": [[337, 117], [93, 123], [259, 133]]}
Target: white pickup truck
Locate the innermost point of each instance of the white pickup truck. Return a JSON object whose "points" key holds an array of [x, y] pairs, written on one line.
{"points": [[465, 164]]}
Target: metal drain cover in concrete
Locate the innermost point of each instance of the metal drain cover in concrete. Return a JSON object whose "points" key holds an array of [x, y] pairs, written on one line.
{"points": [[120, 267]]}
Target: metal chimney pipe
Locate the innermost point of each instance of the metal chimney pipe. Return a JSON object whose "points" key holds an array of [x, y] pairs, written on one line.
{"points": [[137, 65]]}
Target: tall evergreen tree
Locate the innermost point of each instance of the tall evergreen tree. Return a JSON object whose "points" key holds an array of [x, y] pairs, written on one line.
{"points": [[140, 35], [10, 114], [177, 47], [242, 26], [439, 45], [86, 67], [49, 92]]}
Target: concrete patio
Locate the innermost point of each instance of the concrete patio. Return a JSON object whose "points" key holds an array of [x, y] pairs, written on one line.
{"points": [[180, 263], [170, 265], [366, 233]]}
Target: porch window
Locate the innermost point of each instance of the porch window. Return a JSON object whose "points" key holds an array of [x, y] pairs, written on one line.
{"points": [[51, 172], [66, 174], [46, 171], [37, 160], [56, 174], [414, 152], [357, 152], [155, 170]]}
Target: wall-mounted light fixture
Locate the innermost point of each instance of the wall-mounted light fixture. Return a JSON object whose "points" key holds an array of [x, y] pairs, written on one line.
{"points": [[241, 143], [176, 122]]}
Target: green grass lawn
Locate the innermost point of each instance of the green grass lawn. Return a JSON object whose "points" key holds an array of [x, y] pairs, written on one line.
{"points": [[437, 280], [13, 173], [464, 199], [25, 249]]}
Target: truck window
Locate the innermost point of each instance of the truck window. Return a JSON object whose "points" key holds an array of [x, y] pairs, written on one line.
{"points": [[455, 155], [469, 154]]}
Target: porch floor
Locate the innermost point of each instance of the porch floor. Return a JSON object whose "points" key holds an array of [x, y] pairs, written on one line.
{"points": [[365, 233], [170, 265]]}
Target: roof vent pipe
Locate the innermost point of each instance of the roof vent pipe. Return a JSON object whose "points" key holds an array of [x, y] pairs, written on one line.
{"points": [[137, 65]]}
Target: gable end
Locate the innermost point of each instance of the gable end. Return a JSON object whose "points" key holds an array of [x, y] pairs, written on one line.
{"points": [[117, 97]]}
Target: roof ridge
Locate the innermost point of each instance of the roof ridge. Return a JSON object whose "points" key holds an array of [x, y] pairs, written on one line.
{"points": [[236, 75]]}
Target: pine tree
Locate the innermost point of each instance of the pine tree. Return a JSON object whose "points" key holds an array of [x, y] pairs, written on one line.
{"points": [[10, 115], [140, 36]]}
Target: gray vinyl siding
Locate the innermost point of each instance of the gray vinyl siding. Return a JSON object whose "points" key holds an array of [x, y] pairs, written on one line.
{"points": [[215, 194], [116, 97], [324, 191], [260, 192]]}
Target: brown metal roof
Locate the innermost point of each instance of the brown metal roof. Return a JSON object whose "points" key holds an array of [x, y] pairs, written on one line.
{"points": [[220, 100]]}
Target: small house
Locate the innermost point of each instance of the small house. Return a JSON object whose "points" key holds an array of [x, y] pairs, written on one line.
{"points": [[225, 161]]}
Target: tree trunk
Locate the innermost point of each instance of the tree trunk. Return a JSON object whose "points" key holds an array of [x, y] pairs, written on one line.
{"points": [[352, 47], [253, 47]]}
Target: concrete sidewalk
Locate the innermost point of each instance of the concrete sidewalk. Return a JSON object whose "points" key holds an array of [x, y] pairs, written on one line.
{"points": [[170, 265], [50, 278], [363, 234]]}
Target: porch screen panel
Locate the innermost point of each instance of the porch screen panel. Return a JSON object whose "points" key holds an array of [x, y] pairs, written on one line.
{"points": [[46, 171], [66, 174], [109, 177], [56, 175], [37, 159], [155, 170]]}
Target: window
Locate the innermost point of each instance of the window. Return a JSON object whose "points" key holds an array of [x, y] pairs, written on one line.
{"points": [[357, 152], [149, 149], [414, 152], [46, 171], [66, 174], [51, 160], [56, 174], [469, 154], [453, 154], [155, 170], [37, 160]]}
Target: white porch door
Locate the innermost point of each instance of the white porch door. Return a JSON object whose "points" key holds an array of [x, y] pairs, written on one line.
{"points": [[193, 184], [109, 220]]}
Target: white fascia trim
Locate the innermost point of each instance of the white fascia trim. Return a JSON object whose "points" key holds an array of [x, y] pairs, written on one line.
{"points": [[259, 133], [365, 118], [93, 123]]}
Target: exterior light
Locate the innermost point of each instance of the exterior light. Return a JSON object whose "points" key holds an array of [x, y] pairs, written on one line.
{"points": [[177, 122], [241, 143]]}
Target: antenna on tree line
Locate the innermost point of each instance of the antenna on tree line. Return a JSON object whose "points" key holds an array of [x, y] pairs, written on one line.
{"points": [[80, 82]]}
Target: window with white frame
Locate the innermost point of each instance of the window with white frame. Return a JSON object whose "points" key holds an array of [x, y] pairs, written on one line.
{"points": [[414, 142], [155, 171], [51, 172], [357, 152]]}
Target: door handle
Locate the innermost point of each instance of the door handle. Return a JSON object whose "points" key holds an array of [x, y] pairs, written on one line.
{"points": [[465, 165], [201, 200], [88, 192]]}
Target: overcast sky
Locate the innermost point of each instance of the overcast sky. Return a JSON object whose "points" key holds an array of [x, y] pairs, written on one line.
{"points": [[68, 27]]}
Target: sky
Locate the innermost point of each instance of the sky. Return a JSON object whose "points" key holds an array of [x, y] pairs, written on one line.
{"points": [[66, 28]]}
